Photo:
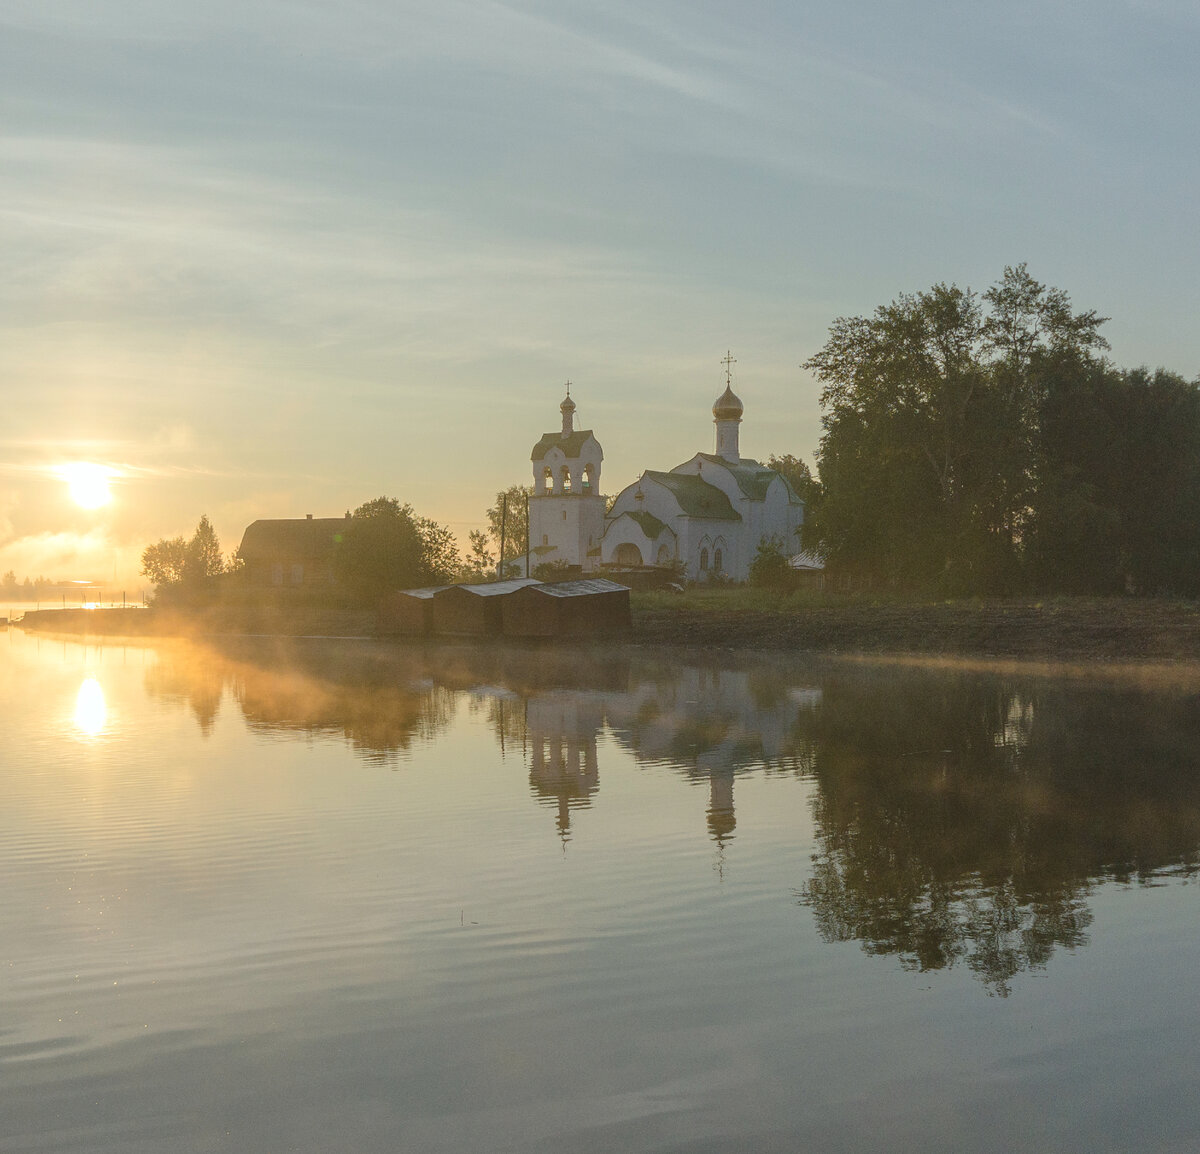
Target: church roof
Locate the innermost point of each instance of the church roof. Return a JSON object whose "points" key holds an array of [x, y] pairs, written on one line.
{"points": [[647, 522], [753, 479], [696, 497], [571, 445]]}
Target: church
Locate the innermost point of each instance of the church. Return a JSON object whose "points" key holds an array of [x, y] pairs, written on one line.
{"points": [[706, 516]]}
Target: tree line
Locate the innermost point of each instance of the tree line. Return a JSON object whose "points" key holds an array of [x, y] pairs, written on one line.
{"points": [[986, 444]]}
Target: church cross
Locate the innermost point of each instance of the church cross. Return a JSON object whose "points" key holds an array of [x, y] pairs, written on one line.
{"points": [[729, 360]]}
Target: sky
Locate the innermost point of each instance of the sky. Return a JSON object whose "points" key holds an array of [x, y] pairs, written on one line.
{"points": [[284, 257]]}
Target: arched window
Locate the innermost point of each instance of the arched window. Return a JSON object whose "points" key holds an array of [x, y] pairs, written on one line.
{"points": [[628, 554], [664, 555], [566, 479], [548, 480], [589, 472], [703, 560], [716, 560]]}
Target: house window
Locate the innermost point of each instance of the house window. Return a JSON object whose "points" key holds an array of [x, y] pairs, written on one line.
{"points": [[297, 574], [703, 560]]}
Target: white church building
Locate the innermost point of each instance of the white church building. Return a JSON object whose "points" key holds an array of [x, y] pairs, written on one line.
{"points": [[708, 514]]}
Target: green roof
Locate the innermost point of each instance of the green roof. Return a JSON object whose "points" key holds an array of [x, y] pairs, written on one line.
{"points": [[649, 523], [753, 479], [696, 497], [571, 445]]}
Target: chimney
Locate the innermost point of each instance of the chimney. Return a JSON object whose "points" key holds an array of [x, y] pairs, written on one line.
{"points": [[308, 516]]}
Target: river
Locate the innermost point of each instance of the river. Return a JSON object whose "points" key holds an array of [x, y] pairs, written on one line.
{"points": [[337, 895]]}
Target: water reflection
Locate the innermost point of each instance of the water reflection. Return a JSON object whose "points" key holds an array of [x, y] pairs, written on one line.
{"points": [[961, 819], [91, 710]]}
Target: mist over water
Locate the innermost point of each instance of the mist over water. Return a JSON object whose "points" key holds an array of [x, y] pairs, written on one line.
{"points": [[349, 896]]}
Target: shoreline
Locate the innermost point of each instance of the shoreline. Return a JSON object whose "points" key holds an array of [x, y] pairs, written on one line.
{"points": [[1065, 630]]}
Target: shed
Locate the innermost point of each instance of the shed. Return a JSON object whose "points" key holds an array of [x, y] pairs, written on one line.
{"points": [[474, 610], [587, 608], [408, 611]]}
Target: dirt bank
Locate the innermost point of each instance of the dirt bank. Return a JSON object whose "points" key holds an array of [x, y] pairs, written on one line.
{"points": [[1075, 629]]}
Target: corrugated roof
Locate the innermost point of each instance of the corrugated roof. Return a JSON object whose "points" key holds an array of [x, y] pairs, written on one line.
{"points": [[309, 537], [423, 594], [494, 588], [584, 587], [808, 560], [571, 444], [696, 497]]}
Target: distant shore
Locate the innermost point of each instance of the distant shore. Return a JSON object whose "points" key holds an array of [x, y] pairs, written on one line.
{"points": [[1062, 629]]}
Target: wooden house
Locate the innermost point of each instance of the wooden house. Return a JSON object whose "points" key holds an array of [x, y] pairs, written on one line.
{"points": [[291, 551], [408, 611], [593, 607], [474, 610]]}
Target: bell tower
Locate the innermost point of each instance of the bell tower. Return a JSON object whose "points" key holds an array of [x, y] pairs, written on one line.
{"points": [[566, 510]]}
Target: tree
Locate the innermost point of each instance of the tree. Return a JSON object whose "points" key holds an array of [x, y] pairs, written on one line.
{"points": [[770, 568], [203, 554], [929, 462], [481, 561], [439, 552], [512, 501], [165, 561], [380, 550]]}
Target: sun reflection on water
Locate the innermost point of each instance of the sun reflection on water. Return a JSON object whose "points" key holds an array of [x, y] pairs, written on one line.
{"points": [[91, 710]]}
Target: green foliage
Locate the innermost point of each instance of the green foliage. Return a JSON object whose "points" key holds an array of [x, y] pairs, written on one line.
{"points": [[510, 502], [380, 550], [480, 564], [556, 571], [165, 562], [800, 477], [439, 552], [770, 568], [386, 546], [930, 461], [185, 566]]}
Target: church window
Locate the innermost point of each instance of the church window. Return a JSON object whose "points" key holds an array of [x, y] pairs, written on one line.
{"points": [[564, 514], [588, 475], [566, 480], [548, 479], [545, 539], [703, 560], [628, 554], [717, 561], [664, 555]]}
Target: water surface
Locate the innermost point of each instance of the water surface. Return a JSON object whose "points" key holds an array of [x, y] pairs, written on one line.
{"points": [[347, 896]]}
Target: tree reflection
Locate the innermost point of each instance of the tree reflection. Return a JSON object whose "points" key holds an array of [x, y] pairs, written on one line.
{"points": [[962, 820]]}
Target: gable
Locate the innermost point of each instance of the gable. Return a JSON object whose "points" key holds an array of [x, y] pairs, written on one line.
{"points": [[695, 496], [571, 445], [292, 538]]}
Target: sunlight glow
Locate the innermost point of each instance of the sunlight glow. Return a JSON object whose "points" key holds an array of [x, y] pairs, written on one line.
{"points": [[88, 483], [91, 710]]}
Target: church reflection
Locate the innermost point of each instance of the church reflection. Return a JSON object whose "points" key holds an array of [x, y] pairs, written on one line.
{"points": [[959, 820]]}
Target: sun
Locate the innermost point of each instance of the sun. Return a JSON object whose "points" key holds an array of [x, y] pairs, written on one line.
{"points": [[88, 484]]}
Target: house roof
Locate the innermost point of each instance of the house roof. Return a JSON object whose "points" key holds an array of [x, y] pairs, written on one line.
{"points": [[808, 560], [752, 478], [571, 445], [422, 594], [491, 588], [587, 587], [647, 522], [696, 497], [300, 537]]}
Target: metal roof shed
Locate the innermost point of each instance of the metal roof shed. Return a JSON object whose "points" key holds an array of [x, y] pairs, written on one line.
{"points": [[588, 608], [408, 611], [474, 610]]}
